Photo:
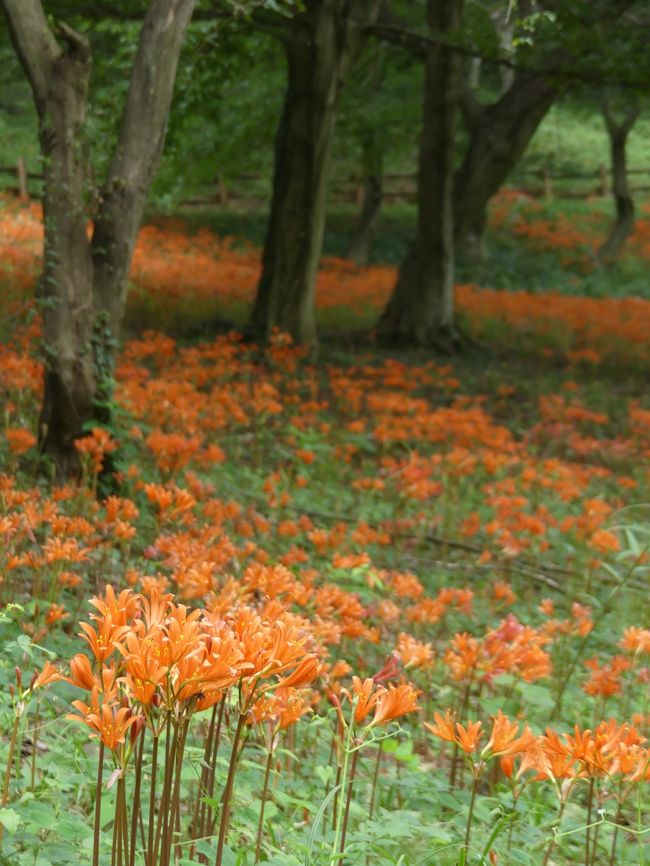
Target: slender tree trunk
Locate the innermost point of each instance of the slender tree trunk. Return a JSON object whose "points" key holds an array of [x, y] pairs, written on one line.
{"points": [[504, 27], [360, 244], [124, 193], [421, 309], [81, 279], [618, 131], [321, 43]]}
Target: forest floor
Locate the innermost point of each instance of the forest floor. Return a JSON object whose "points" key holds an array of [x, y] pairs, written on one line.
{"points": [[476, 527]]}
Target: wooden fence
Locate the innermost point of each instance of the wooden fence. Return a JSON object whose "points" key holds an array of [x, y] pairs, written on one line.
{"points": [[254, 190], [21, 177]]}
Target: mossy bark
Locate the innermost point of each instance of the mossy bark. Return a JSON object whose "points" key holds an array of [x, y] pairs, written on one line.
{"points": [[83, 284]]}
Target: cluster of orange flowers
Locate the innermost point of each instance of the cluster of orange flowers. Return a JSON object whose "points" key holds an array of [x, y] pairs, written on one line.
{"points": [[607, 751], [150, 656]]}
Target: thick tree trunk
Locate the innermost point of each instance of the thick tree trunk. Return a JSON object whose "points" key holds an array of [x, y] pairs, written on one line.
{"points": [[421, 309], [361, 242], [59, 73], [81, 279], [618, 131], [499, 134], [320, 43]]}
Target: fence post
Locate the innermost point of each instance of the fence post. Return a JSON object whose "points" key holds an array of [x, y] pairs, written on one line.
{"points": [[548, 185], [223, 192], [604, 179], [21, 172]]}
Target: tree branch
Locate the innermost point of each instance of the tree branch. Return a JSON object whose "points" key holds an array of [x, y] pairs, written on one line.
{"points": [[34, 42], [138, 149], [418, 44], [78, 44]]}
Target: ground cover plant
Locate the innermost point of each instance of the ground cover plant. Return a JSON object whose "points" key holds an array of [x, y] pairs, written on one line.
{"points": [[381, 609]]}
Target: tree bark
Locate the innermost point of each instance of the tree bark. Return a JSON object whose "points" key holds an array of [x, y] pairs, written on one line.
{"points": [[361, 241], [59, 72], [80, 279], [321, 43], [142, 134], [618, 131], [499, 135], [421, 308]]}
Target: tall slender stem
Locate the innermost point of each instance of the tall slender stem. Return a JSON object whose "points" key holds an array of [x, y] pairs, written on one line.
{"points": [[375, 777], [590, 800], [348, 800], [163, 815], [119, 823], [265, 788], [174, 812], [10, 763], [34, 746], [552, 843], [136, 798], [470, 814], [227, 794], [206, 810], [344, 769], [98, 804], [152, 802], [199, 806]]}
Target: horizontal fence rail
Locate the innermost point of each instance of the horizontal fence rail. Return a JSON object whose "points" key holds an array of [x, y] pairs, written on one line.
{"points": [[252, 189]]}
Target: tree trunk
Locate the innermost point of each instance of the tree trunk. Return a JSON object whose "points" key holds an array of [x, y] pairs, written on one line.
{"points": [[421, 309], [360, 244], [320, 45], [74, 283], [59, 73], [142, 134], [475, 249], [504, 27], [499, 134], [618, 131]]}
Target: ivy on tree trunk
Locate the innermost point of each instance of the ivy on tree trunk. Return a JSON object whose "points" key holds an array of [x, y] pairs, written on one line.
{"points": [[83, 285]]}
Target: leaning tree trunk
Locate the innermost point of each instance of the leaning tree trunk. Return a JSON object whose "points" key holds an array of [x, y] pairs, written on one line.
{"points": [[142, 134], [321, 43], [499, 134], [361, 241], [421, 309], [618, 131], [82, 279]]}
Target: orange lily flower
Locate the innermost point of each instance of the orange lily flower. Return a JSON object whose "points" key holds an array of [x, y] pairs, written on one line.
{"points": [[394, 702], [504, 739], [49, 674]]}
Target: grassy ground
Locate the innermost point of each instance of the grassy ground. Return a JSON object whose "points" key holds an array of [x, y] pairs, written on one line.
{"points": [[471, 533], [559, 260]]}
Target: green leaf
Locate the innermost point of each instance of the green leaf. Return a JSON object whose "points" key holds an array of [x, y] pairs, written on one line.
{"points": [[10, 819], [536, 696]]}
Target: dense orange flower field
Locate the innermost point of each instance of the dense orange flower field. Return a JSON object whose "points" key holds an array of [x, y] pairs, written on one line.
{"points": [[183, 279], [346, 611]]}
